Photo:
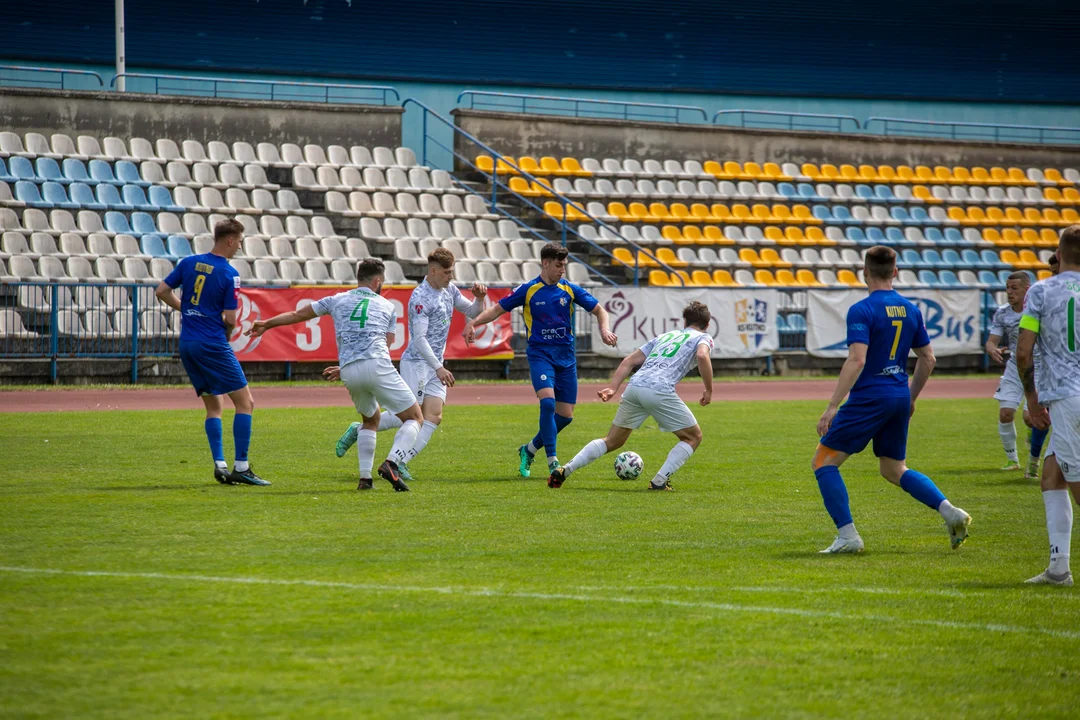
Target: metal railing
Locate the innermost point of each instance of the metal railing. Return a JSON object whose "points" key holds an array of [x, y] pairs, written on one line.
{"points": [[775, 120], [582, 107], [238, 89], [48, 77], [497, 184], [991, 132]]}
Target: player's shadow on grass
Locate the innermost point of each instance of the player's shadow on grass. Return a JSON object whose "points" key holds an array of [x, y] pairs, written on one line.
{"points": [[839, 557], [151, 488], [615, 489]]}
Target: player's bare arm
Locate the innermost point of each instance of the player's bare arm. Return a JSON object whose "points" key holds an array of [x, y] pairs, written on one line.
{"points": [[924, 365], [631, 361], [332, 373], [483, 318], [993, 349], [1025, 365], [603, 320], [704, 366], [165, 294], [290, 318], [229, 318], [849, 373]]}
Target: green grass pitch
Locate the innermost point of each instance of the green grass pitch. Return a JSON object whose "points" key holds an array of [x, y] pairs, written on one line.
{"points": [[481, 594]]}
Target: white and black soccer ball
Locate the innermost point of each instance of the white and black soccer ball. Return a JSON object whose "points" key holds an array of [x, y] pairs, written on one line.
{"points": [[628, 466]]}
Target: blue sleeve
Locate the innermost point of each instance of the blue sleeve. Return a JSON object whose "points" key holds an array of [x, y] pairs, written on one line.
{"points": [[921, 339], [583, 297], [515, 299], [232, 289], [858, 324], [176, 278]]}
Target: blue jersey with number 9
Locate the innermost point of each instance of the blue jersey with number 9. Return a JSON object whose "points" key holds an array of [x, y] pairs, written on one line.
{"points": [[889, 325], [210, 285]]}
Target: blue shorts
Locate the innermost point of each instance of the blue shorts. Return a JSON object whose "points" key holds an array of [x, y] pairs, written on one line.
{"points": [[212, 367], [860, 420], [554, 367]]}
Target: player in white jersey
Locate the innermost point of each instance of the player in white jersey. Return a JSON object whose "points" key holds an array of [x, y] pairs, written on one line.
{"points": [[1005, 325], [364, 325], [663, 361], [1050, 321], [431, 308]]}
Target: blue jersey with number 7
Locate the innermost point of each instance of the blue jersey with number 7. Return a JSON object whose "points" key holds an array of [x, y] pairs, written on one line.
{"points": [[889, 325], [210, 285]]}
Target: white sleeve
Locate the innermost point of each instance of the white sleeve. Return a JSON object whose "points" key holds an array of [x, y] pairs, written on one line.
{"points": [[468, 309], [324, 306], [418, 327]]}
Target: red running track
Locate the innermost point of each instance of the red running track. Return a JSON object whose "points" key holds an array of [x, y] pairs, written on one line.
{"points": [[65, 400]]}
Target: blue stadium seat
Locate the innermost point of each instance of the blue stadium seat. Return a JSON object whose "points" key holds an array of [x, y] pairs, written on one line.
{"points": [[56, 195], [901, 215], [47, 169], [992, 260], [857, 236], [929, 278], [781, 325], [22, 169], [948, 279], [788, 191], [127, 173], [160, 196], [952, 259], [75, 171], [932, 258], [821, 212], [84, 197], [134, 196], [179, 246], [116, 222], [874, 236], [842, 215], [932, 234], [154, 246], [5, 176], [910, 259], [796, 322], [108, 196], [987, 277], [953, 236], [1003, 276], [865, 192], [972, 260], [102, 172], [143, 224], [885, 193], [895, 236], [808, 193], [29, 193], [919, 216]]}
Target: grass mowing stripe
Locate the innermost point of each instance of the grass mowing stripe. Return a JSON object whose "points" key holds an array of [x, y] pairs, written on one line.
{"points": [[531, 595]]}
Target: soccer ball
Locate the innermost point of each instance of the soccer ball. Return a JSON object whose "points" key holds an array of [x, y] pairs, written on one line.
{"points": [[628, 466]]}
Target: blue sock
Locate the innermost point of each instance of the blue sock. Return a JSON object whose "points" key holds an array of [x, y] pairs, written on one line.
{"points": [[1038, 437], [561, 422], [922, 489], [834, 493], [241, 430], [548, 428], [213, 434]]}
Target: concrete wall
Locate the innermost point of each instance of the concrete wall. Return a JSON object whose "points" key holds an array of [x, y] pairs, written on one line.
{"points": [[517, 134], [181, 118]]}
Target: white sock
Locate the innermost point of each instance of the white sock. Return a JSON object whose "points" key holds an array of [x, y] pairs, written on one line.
{"points": [[590, 453], [404, 441], [426, 431], [388, 421], [1007, 431], [946, 509], [848, 532], [675, 459], [221, 464], [531, 448], [1059, 518], [365, 449], [241, 465]]}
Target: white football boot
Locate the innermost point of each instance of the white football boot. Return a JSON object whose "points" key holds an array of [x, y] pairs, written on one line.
{"points": [[844, 545]]}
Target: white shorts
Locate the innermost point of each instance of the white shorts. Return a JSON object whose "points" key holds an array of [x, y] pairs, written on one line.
{"points": [[374, 383], [1065, 441], [1010, 392], [422, 380], [639, 403]]}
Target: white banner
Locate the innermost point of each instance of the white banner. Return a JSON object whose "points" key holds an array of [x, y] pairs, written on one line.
{"points": [[951, 316], [743, 321]]}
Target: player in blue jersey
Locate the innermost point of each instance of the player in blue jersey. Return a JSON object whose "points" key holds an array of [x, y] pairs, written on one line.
{"points": [[547, 304], [881, 330], [209, 288]]}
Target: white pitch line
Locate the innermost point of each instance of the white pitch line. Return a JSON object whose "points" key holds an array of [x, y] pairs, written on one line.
{"points": [[527, 595]]}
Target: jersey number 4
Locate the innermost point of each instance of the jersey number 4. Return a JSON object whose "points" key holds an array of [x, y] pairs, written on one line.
{"points": [[359, 313]]}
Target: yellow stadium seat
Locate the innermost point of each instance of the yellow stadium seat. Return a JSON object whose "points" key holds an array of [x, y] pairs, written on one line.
{"points": [[868, 174], [681, 213], [640, 213], [995, 216], [554, 209], [721, 213], [1010, 257], [1028, 237], [924, 174], [701, 213], [577, 213], [807, 278], [943, 175], [811, 171], [786, 278], [716, 236], [816, 236], [1070, 216], [1055, 196], [980, 176], [830, 173], [753, 171], [692, 236], [1054, 175], [771, 258], [764, 277], [958, 214], [782, 213], [573, 212], [485, 164], [623, 256], [503, 167], [542, 187], [722, 278], [529, 165], [659, 278], [683, 279], [735, 171], [762, 214], [1019, 177], [551, 166], [571, 166], [774, 234], [1013, 216], [1053, 217], [793, 235], [750, 255], [1032, 217], [714, 168], [1047, 238], [667, 256], [774, 173], [993, 235], [847, 277], [522, 187], [961, 175], [646, 258], [660, 212], [804, 216], [923, 193], [905, 174], [976, 216], [887, 173], [849, 173], [1031, 260], [1043, 274], [999, 176], [741, 213], [1070, 196], [702, 278], [672, 233]]}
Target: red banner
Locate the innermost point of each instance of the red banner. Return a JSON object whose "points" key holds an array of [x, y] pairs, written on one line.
{"points": [[314, 340]]}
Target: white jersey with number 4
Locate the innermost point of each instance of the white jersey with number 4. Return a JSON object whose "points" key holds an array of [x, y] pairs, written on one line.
{"points": [[362, 319], [1051, 309], [668, 358]]}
